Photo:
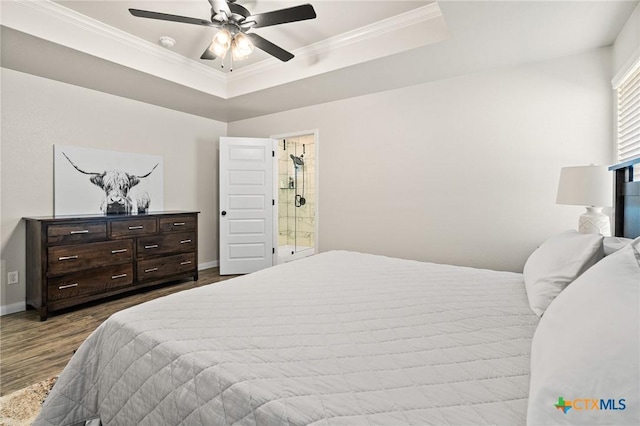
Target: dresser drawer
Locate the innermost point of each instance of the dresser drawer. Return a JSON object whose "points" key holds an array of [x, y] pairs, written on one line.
{"points": [[90, 281], [79, 232], [169, 265], [178, 242], [178, 223], [133, 227], [72, 258]]}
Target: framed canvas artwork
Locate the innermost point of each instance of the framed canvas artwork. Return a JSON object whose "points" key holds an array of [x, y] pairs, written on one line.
{"points": [[93, 181]]}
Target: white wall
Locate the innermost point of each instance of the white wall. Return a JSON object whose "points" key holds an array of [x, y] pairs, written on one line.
{"points": [[627, 45], [38, 113], [460, 171]]}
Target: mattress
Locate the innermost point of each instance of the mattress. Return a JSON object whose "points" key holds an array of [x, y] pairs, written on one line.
{"points": [[339, 338]]}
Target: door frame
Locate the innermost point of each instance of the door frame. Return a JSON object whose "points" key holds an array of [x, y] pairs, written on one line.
{"points": [[316, 142]]}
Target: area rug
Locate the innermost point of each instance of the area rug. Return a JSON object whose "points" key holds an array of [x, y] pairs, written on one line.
{"points": [[21, 407]]}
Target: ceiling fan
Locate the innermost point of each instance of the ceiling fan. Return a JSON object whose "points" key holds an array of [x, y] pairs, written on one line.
{"points": [[234, 22]]}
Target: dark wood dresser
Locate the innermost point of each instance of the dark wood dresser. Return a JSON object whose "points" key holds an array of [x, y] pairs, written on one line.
{"points": [[77, 259]]}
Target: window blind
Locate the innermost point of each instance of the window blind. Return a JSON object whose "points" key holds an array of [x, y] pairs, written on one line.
{"points": [[628, 143]]}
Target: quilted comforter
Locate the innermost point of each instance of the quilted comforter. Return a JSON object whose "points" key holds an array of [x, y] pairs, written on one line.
{"points": [[339, 338]]}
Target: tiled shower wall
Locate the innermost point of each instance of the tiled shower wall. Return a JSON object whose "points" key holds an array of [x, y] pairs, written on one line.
{"points": [[296, 225]]}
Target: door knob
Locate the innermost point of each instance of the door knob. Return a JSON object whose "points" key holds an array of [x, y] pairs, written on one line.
{"points": [[224, 213]]}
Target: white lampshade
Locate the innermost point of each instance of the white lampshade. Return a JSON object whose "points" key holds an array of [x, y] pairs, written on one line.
{"points": [[585, 186], [589, 186]]}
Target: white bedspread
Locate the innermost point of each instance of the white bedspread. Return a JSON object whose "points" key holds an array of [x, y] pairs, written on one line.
{"points": [[339, 338]]}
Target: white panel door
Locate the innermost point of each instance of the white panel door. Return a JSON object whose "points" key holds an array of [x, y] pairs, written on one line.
{"points": [[246, 205]]}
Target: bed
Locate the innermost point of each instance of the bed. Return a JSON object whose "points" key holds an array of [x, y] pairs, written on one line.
{"points": [[344, 338]]}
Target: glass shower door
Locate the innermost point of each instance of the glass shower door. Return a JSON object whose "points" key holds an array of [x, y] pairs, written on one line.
{"points": [[296, 197]]}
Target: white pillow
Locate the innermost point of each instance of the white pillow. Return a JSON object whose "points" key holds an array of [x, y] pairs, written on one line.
{"points": [[587, 347], [556, 263], [613, 244]]}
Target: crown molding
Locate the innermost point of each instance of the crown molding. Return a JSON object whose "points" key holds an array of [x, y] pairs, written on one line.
{"points": [[412, 29], [362, 34], [58, 24], [374, 30], [55, 23]]}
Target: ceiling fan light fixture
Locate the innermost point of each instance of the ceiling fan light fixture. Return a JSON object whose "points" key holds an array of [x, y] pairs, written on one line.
{"points": [[221, 43], [241, 47], [233, 20]]}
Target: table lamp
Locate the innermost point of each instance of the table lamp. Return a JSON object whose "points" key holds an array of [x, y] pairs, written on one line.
{"points": [[589, 186]]}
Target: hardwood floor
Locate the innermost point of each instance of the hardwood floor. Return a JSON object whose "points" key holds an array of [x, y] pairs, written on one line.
{"points": [[33, 350]]}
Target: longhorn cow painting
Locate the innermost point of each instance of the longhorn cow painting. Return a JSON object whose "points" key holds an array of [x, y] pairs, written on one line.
{"points": [[91, 181]]}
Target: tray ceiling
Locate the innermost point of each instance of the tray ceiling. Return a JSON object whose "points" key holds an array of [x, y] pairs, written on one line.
{"points": [[352, 48]]}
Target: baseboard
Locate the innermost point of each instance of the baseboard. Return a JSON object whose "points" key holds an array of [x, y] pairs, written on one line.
{"points": [[207, 265], [13, 308]]}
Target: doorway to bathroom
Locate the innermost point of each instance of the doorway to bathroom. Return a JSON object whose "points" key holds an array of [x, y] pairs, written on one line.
{"points": [[295, 224]]}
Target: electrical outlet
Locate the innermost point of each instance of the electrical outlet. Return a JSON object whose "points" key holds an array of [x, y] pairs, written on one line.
{"points": [[12, 277]]}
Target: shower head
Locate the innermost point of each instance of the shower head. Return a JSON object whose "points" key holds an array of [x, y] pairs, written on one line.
{"points": [[298, 161]]}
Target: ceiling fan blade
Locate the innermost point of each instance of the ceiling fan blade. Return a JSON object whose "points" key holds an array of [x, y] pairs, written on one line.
{"points": [[208, 54], [239, 9], [167, 17], [269, 47], [220, 6], [283, 16]]}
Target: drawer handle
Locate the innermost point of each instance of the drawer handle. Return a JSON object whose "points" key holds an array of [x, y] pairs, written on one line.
{"points": [[131, 228], [151, 246], [185, 241], [186, 262], [115, 277], [178, 223], [150, 270], [84, 231], [118, 251], [68, 257], [62, 287]]}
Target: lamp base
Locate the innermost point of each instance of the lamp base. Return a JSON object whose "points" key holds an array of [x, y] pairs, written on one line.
{"points": [[594, 222]]}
